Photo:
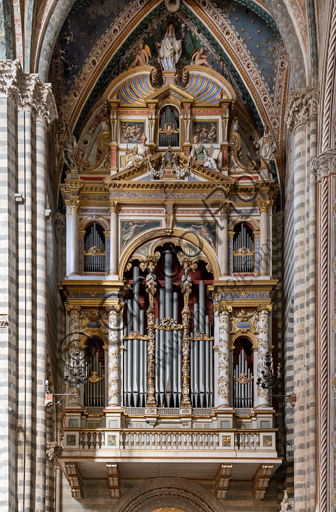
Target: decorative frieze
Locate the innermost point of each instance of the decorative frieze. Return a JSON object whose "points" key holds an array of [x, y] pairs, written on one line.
{"points": [[301, 106]]}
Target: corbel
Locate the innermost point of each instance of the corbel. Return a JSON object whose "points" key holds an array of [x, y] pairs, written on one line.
{"points": [[260, 481]]}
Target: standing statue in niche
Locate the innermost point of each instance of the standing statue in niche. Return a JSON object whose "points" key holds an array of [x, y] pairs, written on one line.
{"points": [[70, 145], [267, 147], [169, 50]]}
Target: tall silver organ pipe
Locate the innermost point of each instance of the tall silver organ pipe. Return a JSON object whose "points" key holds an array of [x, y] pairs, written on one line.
{"points": [[169, 334], [161, 361], [201, 358], [175, 348], [157, 362], [136, 327], [242, 393], [135, 354], [240, 263]]}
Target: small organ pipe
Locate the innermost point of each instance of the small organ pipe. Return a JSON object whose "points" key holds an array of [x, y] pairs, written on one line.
{"points": [[196, 353], [157, 364], [201, 306]]}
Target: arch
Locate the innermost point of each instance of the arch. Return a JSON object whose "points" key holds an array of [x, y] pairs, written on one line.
{"points": [[252, 222], [90, 333], [168, 492], [245, 71], [245, 334], [161, 233], [87, 220]]}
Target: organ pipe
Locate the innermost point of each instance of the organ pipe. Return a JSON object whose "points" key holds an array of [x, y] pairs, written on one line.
{"points": [[136, 326]]}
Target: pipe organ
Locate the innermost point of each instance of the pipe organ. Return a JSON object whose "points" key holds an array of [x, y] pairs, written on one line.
{"points": [[243, 251], [183, 311], [94, 249]]}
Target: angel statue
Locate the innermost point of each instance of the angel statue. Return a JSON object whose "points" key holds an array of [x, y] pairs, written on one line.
{"points": [[169, 50], [141, 56], [267, 146], [199, 58]]}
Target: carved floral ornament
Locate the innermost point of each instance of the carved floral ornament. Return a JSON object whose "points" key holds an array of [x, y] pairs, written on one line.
{"points": [[301, 106], [188, 257], [324, 164], [27, 91]]}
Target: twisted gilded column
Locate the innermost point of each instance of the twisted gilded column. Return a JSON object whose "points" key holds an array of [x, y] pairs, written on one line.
{"points": [[224, 383], [114, 237], [74, 205], [113, 363], [186, 289], [151, 287]]}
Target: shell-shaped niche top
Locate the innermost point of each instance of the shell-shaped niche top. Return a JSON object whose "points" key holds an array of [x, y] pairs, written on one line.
{"points": [[135, 86]]}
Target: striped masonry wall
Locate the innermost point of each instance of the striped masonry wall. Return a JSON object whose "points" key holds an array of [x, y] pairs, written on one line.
{"points": [[288, 339], [8, 305]]}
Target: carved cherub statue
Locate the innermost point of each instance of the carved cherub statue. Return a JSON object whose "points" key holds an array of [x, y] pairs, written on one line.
{"points": [[141, 56], [200, 58]]}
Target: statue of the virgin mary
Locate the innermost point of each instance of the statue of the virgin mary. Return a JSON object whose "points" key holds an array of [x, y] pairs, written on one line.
{"points": [[169, 49]]}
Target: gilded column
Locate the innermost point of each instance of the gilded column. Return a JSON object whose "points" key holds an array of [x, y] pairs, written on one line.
{"points": [[113, 363], [261, 396], [114, 238], [224, 210], [74, 204], [224, 383], [151, 287], [186, 289]]}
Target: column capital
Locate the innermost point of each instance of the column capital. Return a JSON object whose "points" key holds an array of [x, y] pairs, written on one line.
{"points": [[301, 106], [324, 164], [114, 309], [27, 91], [263, 207], [72, 308], [114, 206], [265, 309], [224, 207], [74, 205]]}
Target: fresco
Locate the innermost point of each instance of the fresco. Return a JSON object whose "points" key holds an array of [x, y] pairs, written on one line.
{"points": [[204, 229], [132, 228], [206, 131], [132, 131]]}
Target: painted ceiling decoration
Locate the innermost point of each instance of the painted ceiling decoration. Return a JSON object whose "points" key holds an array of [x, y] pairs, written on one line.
{"points": [[253, 59]]}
